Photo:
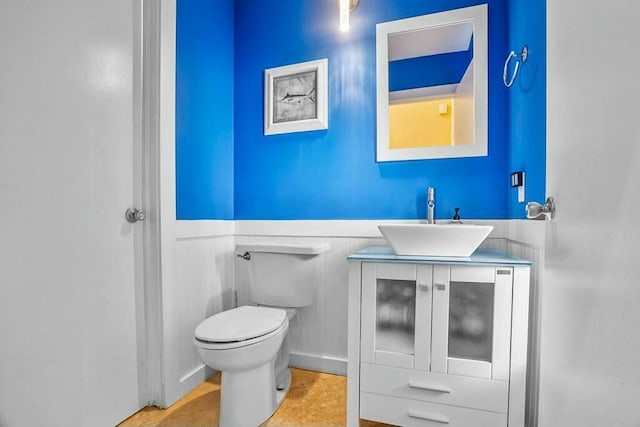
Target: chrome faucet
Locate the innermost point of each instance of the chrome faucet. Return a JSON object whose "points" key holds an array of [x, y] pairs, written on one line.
{"points": [[431, 205]]}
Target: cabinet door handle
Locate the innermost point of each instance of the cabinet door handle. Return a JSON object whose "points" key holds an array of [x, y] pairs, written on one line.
{"points": [[428, 417], [421, 386], [424, 286]]}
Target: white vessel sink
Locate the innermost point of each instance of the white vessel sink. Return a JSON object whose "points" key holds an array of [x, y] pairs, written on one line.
{"points": [[444, 240]]}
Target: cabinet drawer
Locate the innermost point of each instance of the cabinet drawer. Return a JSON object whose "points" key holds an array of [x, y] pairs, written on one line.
{"points": [[477, 393], [413, 413]]}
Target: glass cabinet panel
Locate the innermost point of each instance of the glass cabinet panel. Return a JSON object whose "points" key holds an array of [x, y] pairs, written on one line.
{"points": [[471, 307], [395, 315]]}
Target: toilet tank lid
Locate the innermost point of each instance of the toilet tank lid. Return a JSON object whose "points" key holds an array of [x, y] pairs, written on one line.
{"points": [[284, 248], [240, 324]]}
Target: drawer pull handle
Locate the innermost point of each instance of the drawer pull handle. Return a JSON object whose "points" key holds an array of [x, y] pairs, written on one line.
{"points": [[439, 389], [428, 417]]}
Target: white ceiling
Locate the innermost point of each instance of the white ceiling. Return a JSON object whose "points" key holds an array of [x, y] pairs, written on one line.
{"points": [[422, 93], [430, 41]]}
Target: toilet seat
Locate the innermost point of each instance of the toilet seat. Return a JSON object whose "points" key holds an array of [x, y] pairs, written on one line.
{"points": [[205, 345], [240, 327]]}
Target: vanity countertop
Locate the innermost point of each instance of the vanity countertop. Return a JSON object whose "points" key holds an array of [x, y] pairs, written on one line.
{"points": [[481, 256]]}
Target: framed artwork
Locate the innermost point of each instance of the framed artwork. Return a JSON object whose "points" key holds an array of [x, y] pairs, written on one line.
{"points": [[295, 98]]}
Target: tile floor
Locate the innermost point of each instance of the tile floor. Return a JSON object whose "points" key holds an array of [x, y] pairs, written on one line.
{"points": [[314, 399]]}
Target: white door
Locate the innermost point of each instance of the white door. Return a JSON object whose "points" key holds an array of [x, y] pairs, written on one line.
{"points": [[68, 344], [590, 341]]}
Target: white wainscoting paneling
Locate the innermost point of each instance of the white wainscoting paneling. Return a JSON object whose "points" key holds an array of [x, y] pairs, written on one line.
{"points": [[204, 229], [210, 274], [204, 286]]}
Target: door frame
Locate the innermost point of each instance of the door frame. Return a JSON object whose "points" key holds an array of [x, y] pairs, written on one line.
{"points": [[154, 160], [162, 383]]}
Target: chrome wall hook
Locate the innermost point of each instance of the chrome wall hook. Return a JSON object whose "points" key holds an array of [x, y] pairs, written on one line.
{"points": [[546, 211], [523, 57]]}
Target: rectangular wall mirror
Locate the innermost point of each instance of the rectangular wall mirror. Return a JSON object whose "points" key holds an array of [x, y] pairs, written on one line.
{"points": [[432, 91]]}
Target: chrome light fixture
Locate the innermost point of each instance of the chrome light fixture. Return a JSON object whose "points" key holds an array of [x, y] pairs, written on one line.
{"points": [[346, 7]]}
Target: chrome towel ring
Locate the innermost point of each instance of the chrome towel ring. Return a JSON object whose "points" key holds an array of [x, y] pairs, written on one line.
{"points": [[523, 55]]}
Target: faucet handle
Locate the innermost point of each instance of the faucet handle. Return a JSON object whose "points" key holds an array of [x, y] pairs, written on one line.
{"points": [[431, 193]]}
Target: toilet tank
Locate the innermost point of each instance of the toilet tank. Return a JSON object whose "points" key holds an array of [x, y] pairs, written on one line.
{"points": [[282, 274]]}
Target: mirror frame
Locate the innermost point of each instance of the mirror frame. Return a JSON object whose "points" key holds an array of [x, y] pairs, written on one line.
{"points": [[478, 16]]}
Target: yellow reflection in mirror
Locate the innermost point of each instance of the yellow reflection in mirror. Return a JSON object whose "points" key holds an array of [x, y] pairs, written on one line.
{"points": [[421, 123]]}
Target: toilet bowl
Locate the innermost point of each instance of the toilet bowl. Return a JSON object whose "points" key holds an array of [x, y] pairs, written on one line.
{"points": [[243, 343]]}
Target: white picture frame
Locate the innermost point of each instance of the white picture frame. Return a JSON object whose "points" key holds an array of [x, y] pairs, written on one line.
{"points": [[296, 97]]}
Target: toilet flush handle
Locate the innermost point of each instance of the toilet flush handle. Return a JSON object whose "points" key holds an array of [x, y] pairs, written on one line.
{"points": [[245, 256]]}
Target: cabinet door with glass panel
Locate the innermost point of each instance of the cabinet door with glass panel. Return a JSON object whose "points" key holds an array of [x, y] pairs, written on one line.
{"points": [[472, 321], [438, 318], [396, 314]]}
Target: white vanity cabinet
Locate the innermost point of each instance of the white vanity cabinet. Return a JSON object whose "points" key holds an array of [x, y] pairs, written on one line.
{"points": [[436, 342]]}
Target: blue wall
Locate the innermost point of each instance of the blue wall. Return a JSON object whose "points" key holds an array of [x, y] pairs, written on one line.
{"points": [[527, 102], [332, 174], [204, 109], [226, 168]]}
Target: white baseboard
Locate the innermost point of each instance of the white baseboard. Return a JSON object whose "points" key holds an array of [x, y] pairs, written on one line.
{"points": [[199, 371], [186, 383], [312, 362]]}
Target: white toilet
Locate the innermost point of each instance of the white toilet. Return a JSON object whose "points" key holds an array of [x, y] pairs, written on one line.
{"points": [[248, 344]]}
